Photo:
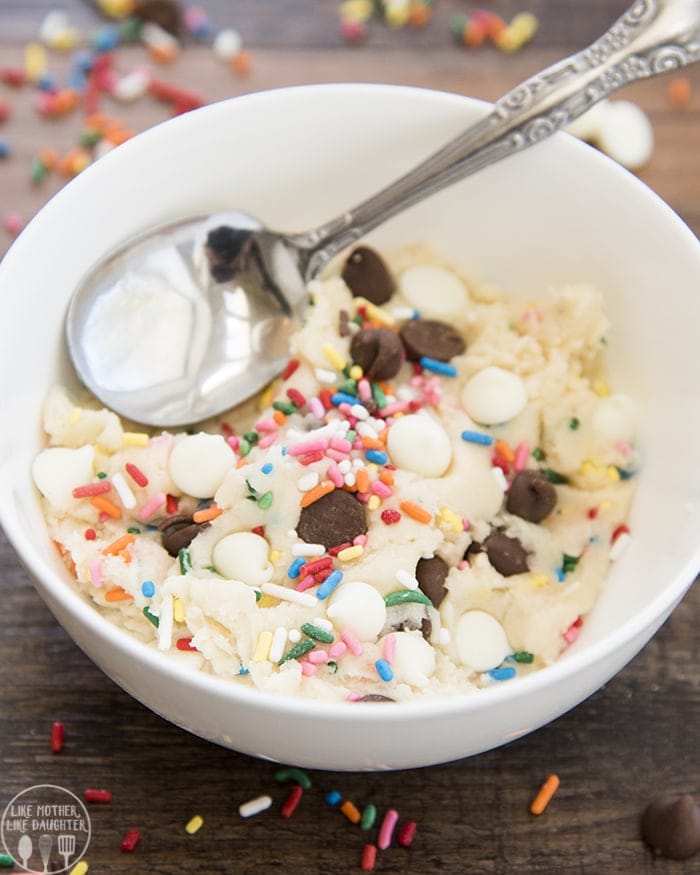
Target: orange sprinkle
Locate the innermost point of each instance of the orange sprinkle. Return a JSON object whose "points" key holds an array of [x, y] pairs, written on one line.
{"points": [[163, 54], [48, 157], [547, 790], [370, 443], [317, 492], [279, 417], [106, 506], [503, 449], [67, 558], [420, 15], [382, 436], [362, 480], [241, 463], [351, 811], [126, 556], [679, 91], [117, 595], [241, 63], [118, 545], [387, 477], [208, 513], [96, 122], [416, 512]]}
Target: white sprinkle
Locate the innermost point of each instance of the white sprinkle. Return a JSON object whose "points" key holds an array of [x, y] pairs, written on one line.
{"points": [[365, 429], [294, 636], [302, 549], [128, 499], [345, 466], [227, 43], [323, 623], [405, 393], [289, 595], [323, 375], [308, 481], [292, 533], [349, 479], [620, 544], [359, 412], [499, 477], [444, 638], [358, 463], [255, 806], [165, 624], [401, 314], [406, 579], [279, 640]]}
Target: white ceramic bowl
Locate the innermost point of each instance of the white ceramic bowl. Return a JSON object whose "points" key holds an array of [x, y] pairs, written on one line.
{"points": [[558, 213]]}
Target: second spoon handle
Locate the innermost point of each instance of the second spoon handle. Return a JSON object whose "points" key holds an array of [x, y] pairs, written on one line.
{"points": [[651, 37]]}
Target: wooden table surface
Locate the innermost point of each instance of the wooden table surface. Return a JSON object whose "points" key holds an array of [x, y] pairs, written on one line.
{"points": [[636, 737]]}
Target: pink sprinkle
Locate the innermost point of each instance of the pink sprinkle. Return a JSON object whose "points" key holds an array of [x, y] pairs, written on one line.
{"points": [[337, 649], [317, 657], [152, 505], [315, 406], [307, 447], [334, 475], [345, 408], [386, 830], [336, 455], [233, 441], [572, 632], [353, 697], [380, 489], [390, 648], [391, 409], [95, 568], [103, 517], [357, 444], [462, 564], [417, 381], [266, 425], [623, 447], [92, 489], [341, 444], [364, 390], [364, 497], [306, 583], [359, 540], [308, 669], [354, 645], [466, 524], [267, 441], [522, 453]]}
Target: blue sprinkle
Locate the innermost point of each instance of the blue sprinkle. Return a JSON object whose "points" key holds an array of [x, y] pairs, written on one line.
{"points": [[339, 398], [594, 539], [329, 584], [415, 314], [106, 38], [284, 451], [502, 674], [437, 367], [384, 670], [5, 150], [560, 574], [77, 79], [267, 468], [625, 475], [477, 437], [377, 456], [47, 83], [243, 671], [295, 567], [333, 797], [148, 588], [84, 60]]}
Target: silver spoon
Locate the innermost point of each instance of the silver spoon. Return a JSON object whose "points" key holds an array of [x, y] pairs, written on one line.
{"points": [[228, 315]]}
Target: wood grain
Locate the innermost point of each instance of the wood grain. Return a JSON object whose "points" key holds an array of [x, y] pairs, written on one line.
{"points": [[636, 737]]}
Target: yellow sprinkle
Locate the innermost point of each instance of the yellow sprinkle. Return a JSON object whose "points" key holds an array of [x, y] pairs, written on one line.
{"points": [[588, 466], [525, 24], [194, 824], [375, 313], [65, 39], [604, 505], [79, 868], [262, 648], [178, 610], [274, 555], [135, 439], [452, 519], [356, 372], [356, 10], [75, 416], [374, 502], [267, 601], [600, 387], [36, 61], [116, 8], [265, 398], [372, 468], [539, 580], [350, 553], [613, 474], [334, 357], [397, 13]]}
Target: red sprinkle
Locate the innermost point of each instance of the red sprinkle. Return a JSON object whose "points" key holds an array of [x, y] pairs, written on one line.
{"points": [[226, 430], [297, 399], [13, 76], [406, 833], [183, 98], [259, 530], [310, 458], [90, 490], [57, 736], [338, 547], [369, 858], [292, 801], [97, 795], [592, 513], [321, 575], [171, 503], [130, 840], [136, 474], [318, 565], [622, 529], [390, 516], [325, 397], [292, 365], [90, 534], [185, 644]]}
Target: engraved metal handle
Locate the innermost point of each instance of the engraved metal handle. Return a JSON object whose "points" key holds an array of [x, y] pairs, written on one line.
{"points": [[652, 37]]}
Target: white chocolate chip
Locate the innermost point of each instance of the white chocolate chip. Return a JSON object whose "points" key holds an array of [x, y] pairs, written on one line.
{"points": [[414, 659], [199, 463], [615, 418], [493, 396], [227, 43], [418, 443], [57, 471], [243, 556], [433, 290], [626, 134], [481, 641], [357, 606]]}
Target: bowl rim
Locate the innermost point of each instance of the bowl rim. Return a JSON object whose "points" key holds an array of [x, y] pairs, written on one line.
{"points": [[89, 616]]}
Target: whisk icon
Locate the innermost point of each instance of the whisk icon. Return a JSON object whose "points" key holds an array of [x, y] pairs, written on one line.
{"points": [[45, 842]]}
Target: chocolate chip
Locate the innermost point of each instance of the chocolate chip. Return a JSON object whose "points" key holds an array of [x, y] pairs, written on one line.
{"points": [[336, 518], [378, 351], [431, 574], [506, 554], [165, 13], [531, 496], [431, 338], [344, 324], [367, 276], [409, 617], [226, 249], [375, 697], [671, 826], [179, 531]]}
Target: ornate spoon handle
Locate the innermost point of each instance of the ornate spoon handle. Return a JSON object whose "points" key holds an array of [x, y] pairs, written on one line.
{"points": [[652, 37]]}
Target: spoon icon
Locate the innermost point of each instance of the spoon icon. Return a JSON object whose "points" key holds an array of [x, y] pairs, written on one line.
{"points": [[192, 318], [24, 849]]}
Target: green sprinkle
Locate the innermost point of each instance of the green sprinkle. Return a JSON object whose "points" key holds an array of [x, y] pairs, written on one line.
{"points": [[130, 30], [39, 172], [6, 861], [357, 319], [298, 650], [317, 634], [379, 396], [603, 341], [574, 423], [151, 617], [292, 774], [404, 596], [554, 476], [348, 387], [265, 500], [185, 560], [211, 568], [90, 138], [332, 666], [252, 437], [101, 475], [523, 656], [252, 491], [134, 530], [569, 563], [537, 454], [350, 435], [244, 447], [369, 815], [258, 595], [285, 407]]}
